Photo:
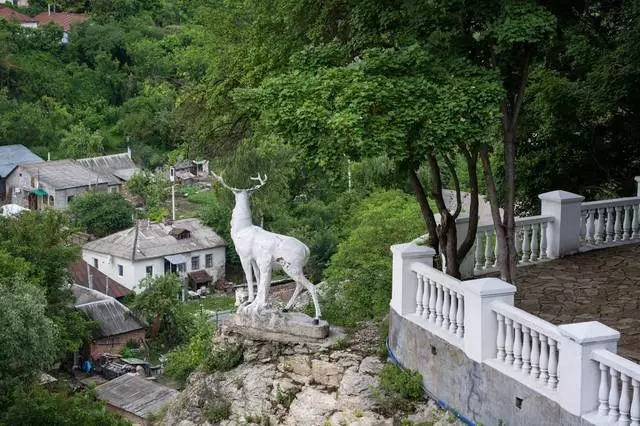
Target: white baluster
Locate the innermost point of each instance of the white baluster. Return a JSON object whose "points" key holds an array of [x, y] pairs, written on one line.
{"points": [[439, 301], [500, 339], [535, 355], [526, 350], [584, 214], [425, 299], [517, 346], [635, 223], [453, 312], [419, 295], [553, 364], [591, 227], [614, 396], [617, 226], [460, 317], [609, 227], [496, 252], [535, 245], [603, 391], [526, 243], [600, 227], [625, 402], [479, 252], [508, 344], [543, 241], [544, 360], [635, 403], [518, 244], [432, 301], [488, 250], [628, 212], [445, 307]]}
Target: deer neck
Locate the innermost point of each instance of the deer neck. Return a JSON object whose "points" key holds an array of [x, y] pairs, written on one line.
{"points": [[241, 216]]}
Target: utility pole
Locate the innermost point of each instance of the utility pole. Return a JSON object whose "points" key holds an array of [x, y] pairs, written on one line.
{"points": [[172, 178]]}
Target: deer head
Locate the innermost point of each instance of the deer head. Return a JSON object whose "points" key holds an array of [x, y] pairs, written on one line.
{"points": [[261, 181]]}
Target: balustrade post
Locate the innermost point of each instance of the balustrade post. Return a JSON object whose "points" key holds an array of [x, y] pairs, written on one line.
{"points": [[543, 240], [526, 243], [488, 249], [600, 227], [517, 346], [425, 297], [453, 311], [479, 247], [580, 387], [617, 226], [628, 212], [625, 402], [563, 234], [635, 403], [419, 295], [404, 280], [481, 325], [591, 227], [614, 395], [637, 179], [526, 350], [508, 344], [635, 223], [609, 226]]}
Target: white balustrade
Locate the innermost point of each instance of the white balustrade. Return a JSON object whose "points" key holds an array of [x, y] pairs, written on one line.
{"points": [[531, 243], [610, 221], [618, 391], [527, 344], [439, 300]]}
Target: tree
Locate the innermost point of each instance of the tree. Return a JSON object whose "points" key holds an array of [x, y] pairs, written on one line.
{"points": [[102, 213], [152, 188], [80, 142], [158, 302], [359, 273], [28, 337]]}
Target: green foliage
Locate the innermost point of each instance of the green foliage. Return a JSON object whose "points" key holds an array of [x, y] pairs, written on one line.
{"points": [[28, 338], [285, 398], [187, 358], [102, 213], [397, 389], [151, 187], [158, 302], [36, 406], [217, 410], [224, 358], [359, 274]]}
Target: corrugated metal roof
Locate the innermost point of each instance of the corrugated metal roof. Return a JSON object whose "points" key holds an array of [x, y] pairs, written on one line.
{"points": [[63, 174], [154, 240], [114, 167], [136, 395], [12, 155], [112, 316]]}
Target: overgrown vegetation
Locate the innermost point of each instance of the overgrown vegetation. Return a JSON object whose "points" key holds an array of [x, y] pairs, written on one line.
{"points": [[223, 357], [216, 410], [187, 358], [102, 213], [398, 389]]}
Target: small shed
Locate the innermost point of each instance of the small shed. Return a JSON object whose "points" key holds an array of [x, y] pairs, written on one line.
{"points": [[135, 397]]}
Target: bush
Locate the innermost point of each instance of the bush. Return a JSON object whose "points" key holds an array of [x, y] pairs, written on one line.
{"points": [[397, 389], [187, 358], [102, 213], [224, 358], [217, 410]]}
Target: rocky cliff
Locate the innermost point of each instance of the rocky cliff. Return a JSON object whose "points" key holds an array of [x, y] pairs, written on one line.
{"points": [[295, 383]]}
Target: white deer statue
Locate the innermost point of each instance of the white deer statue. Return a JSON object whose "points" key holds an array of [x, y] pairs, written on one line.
{"points": [[260, 250]]}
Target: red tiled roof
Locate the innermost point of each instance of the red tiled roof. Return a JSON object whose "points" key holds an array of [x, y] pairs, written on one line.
{"points": [[79, 272], [13, 15], [64, 19]]}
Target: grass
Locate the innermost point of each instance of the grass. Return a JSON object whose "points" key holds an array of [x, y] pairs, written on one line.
{"points": [[211, 303], [216, 410]]}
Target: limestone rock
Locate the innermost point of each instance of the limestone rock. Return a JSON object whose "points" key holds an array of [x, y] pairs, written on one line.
{"points": [[297, 364], [371, 365], [311, 407], [273, 322], [359, 418], [326, 373], [355, 391]]}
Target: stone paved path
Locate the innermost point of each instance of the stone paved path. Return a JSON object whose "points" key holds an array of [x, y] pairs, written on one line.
{"points": [[601, 285]]}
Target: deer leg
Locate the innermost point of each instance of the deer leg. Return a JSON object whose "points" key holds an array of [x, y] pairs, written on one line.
{"points": [[264, 284], [295, 295], [246, 266], [297, 275]]}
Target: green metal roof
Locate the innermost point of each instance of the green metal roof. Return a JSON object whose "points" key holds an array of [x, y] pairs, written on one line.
{"points": [[39, 191]]}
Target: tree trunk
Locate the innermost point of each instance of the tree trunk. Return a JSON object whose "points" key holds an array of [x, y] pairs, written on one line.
{"points": [[472, 169], [155, 328], [425, 208]]}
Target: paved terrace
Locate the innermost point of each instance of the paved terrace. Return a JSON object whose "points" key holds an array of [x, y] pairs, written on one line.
{"points": [[601, 285]]}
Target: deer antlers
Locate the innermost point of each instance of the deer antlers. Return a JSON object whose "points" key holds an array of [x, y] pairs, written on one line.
{"points": [[258, 178]]}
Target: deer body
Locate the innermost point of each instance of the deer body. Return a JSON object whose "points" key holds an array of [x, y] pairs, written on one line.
{"points": [[259, 250]]}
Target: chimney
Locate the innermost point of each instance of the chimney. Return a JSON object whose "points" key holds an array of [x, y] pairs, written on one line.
{"points": [[89, 277]]}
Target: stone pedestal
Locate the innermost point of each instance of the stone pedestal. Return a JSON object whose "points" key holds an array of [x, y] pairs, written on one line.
{"points": [[275, 325]]}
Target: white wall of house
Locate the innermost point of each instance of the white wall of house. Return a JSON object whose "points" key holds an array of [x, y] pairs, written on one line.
{"points": [[133, 272]]}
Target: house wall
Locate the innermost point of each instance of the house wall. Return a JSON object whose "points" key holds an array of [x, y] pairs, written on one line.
{"points": [[133, 272], [114, 344], [61, 196]]}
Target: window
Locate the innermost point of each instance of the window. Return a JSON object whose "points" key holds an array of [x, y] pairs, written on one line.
{"points": [[120, 270], [69, 198], [95, 263], [149, 270], [195, 263], [208, 261], [51, 200], [181, 267]]}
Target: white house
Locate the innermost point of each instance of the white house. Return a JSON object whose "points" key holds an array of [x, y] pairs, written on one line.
{"points": [[186, 247]]}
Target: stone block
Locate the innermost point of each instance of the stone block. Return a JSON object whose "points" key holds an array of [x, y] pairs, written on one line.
{"points": [[269, 322], [326, 373]]}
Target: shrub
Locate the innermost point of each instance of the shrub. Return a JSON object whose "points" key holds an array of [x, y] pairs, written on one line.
{"points": [[217, 410], [224, 358], [102, 213], [397, 389], [189, 357]]}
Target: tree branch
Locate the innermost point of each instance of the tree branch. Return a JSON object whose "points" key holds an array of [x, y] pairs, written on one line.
{"points": [[425, 208]]}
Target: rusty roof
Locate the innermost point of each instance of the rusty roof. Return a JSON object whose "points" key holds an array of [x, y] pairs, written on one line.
{"points": [[101, 282]]}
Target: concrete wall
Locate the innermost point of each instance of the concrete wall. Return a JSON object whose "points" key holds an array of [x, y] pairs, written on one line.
{"points": [[477, 391]]}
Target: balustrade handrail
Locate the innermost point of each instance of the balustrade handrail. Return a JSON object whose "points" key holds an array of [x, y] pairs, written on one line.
{"points": [[439, 277], [616, 202], [623, 365], [530, 220], [525, 318]]}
